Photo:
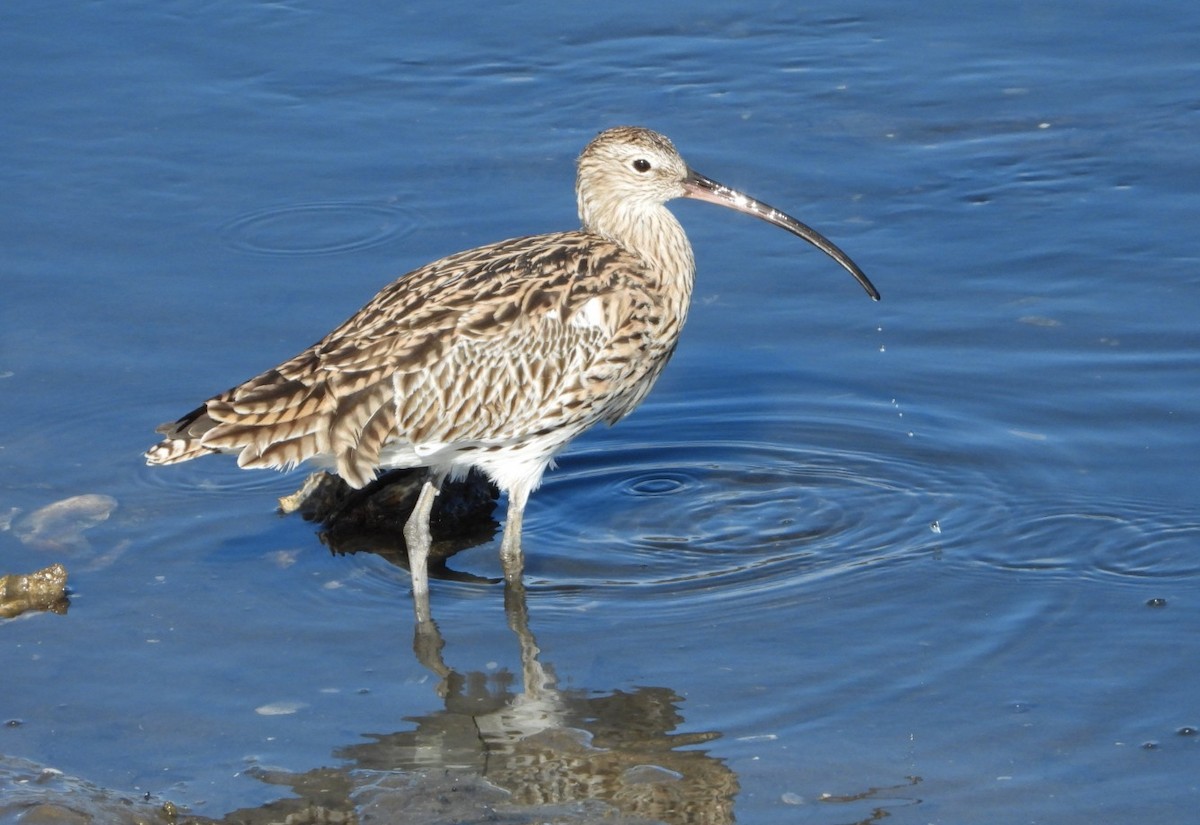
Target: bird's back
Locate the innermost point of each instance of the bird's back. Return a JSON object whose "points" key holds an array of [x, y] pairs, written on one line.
{"points": [[487, 350]]}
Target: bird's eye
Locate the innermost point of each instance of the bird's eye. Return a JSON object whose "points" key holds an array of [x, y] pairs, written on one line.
{"points": [[641, 165]]}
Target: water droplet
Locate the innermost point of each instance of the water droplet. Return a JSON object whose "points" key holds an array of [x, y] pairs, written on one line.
{"points": [[1186, 730], [935, 527], [1150, 746], [790, 798], [1156, 602]]}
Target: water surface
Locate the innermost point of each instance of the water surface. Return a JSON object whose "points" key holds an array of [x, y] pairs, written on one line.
{"points": [[934, 558]]}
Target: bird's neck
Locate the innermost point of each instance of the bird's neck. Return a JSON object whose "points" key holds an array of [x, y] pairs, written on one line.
{"points": [[653, 233]]}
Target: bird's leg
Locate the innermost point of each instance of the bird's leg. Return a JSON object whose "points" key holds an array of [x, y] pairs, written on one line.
{"points": [[419, 540], [510, 545]]}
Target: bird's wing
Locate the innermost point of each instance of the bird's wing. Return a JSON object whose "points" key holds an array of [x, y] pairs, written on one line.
{"points": [[485, 347]]}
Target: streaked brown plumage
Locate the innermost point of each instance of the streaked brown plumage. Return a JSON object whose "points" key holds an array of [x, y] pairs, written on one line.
{"points": [[493, 358]]}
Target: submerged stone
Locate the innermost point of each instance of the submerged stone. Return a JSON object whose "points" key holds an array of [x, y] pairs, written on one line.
{"points": [[61, 525]]}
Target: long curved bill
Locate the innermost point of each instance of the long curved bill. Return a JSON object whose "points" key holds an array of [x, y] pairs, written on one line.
{"points": [[702, 188]]}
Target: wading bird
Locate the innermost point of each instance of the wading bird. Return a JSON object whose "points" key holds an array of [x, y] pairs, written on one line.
{"points": [[494, 358]]}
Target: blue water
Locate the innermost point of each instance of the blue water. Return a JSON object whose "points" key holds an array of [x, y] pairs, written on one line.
{"points": [[936, 558]]}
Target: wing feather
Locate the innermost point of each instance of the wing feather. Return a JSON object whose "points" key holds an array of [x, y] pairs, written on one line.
{"points": [[484, 347]]}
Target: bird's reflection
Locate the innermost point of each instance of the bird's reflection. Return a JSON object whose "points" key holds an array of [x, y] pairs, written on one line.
{"points": [[543, 744], [547, 745]]}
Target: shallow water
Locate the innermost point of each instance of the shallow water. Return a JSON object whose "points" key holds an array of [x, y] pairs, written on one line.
{"points": [[936, 558]]}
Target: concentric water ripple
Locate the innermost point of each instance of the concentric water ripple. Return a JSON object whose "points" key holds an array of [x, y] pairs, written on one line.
{"points": [[1123, 539], [741, 515], [318, 228]]}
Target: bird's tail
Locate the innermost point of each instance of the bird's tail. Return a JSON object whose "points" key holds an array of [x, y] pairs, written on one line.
{"points": [[175, 450], [183, 439]]}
